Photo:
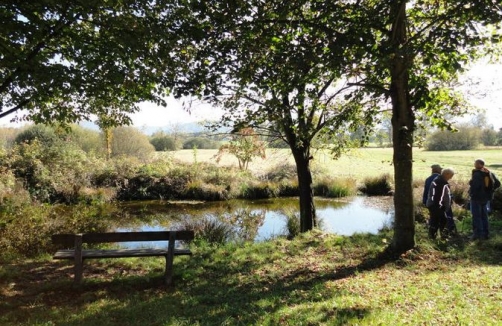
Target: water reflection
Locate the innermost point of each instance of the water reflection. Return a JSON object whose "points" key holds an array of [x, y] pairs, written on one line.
{"points": [[344, 217], [355, 217]]}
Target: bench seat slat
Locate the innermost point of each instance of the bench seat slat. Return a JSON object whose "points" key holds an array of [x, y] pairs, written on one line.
{"points": [[68, 239], [117, 253]]}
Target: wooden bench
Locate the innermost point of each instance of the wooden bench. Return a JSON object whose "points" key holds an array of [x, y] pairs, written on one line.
{"points": [[78, 254]]}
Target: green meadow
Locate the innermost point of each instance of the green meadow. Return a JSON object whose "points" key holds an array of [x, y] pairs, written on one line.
{"points": [[362, 162]]}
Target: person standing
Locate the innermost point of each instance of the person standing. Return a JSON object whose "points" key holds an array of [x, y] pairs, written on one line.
{"points": [[481, 188], [435, 172], [439, 202]]}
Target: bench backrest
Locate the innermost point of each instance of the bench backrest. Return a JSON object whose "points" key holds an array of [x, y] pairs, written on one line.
{"points": [[69, 239]]}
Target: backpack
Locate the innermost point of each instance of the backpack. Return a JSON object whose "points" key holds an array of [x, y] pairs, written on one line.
{"points": [[491, 182], [496, 182]]}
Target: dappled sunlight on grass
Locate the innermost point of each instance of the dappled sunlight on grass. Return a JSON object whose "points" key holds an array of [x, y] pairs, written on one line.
{"points": [[316, 279]]}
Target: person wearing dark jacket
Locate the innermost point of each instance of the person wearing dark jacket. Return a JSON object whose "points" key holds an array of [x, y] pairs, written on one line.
{"points": [[481, 188], [435, 172], [439, 202]]}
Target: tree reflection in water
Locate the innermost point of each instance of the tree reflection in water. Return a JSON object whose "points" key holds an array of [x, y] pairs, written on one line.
{"points": [[258, 220]]}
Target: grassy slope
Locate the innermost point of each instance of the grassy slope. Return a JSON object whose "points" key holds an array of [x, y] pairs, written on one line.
{"points": [[365, 162], [316, 279]]}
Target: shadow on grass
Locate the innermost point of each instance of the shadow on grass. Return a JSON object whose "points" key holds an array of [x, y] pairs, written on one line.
{"points": [[206, 293], [461, 247], [221, 287], [206, 301]]}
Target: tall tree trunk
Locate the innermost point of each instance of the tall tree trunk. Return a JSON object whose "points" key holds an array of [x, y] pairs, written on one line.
{"points": [[402, 132], [307, 208], [108, 139]]}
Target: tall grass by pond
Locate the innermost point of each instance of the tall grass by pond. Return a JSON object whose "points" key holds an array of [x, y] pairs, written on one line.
{"points": [[377, 185]]}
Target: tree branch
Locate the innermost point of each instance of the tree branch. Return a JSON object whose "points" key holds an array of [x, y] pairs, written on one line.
{"points": [[14, 109]]}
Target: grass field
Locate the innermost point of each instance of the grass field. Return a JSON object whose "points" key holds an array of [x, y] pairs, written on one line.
{"points": [[315, 279], [364, 162]]}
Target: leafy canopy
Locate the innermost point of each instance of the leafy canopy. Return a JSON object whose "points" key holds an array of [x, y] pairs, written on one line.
{"points": [[66, 60]]}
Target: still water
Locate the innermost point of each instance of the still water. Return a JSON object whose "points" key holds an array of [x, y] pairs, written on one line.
{"points": [[344, 217]]}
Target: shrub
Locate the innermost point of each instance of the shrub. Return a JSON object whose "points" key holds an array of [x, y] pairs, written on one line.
{"points": [[27, 230], [115, 172], [216, 175], [281, 172], [292, 223], [90, 141], [8, 137], [259, 190], [465, 139], [288, 188], [42, 133], [96, 195], [202, 191], [156, 168], [51, 173], [489, 137], [163, 143], [7, 183], [201, 143], [496, 203], [334, 188], [377, 186], [207, 229], [459, 191], [129, 141]]}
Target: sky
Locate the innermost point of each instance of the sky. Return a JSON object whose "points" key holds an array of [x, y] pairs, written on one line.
{"points": [[484, 91], [176, 112]]}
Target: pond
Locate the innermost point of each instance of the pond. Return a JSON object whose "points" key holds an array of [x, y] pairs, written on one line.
{"points": [[262, 219]]}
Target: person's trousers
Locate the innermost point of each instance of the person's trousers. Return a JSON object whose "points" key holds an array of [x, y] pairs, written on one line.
{"points": [[479, 213], [437, 222]]}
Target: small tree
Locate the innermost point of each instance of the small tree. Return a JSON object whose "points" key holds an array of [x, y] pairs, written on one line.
{"points": [[129, 141], [245, 145]]}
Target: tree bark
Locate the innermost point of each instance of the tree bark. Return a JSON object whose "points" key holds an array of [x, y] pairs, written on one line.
{"points": [[307, 208], [403, 120]]}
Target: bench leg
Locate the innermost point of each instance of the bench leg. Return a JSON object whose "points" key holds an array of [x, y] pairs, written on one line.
{"points": [[79, 261], [169, 270], [78, 271], [170, 258]]}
